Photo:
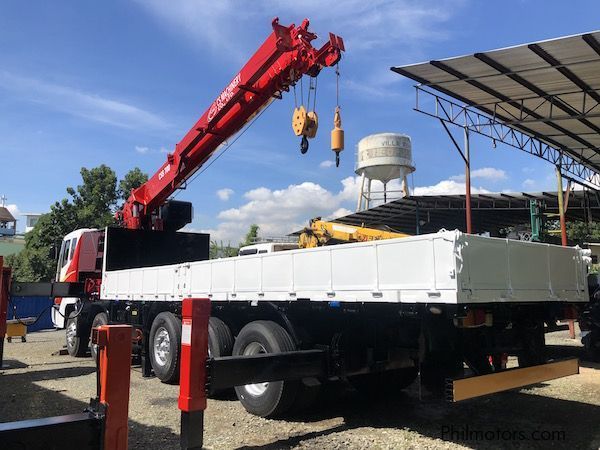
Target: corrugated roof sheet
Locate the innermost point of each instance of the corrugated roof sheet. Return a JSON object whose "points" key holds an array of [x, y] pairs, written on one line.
{"points": [[549, 89]]}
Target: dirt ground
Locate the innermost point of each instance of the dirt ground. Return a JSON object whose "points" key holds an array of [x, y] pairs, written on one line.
{"points": [[563, 413]]}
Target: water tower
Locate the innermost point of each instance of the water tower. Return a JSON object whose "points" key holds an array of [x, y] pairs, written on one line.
{"points": [[383, 157]]}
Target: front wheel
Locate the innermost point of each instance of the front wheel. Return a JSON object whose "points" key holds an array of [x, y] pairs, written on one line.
{"points": [[271, 398], [76, 345], [99, 319], [165, 347]]}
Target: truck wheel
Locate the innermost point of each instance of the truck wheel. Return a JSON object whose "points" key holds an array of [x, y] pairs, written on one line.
{"points": [[220, 339], [76, 345], [275, 397], [99, 319], [220, 343], [388, 382], [165, 341]]}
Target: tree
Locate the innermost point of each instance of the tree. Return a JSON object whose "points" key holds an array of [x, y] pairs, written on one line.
{"points": [[91, 205], [251, 236], [132, 180], [218, 250], [96, 198], [583, 231]]}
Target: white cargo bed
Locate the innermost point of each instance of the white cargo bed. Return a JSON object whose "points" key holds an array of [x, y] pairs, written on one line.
{"points": [[446, 267]]}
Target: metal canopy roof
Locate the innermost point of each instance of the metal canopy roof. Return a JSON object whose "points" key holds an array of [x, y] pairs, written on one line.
{"points": [[549, 90], [491, 212]]}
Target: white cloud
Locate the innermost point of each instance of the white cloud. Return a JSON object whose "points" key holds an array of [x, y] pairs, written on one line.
{"points": [[449, 187], [326, 164], [141, 150], [340, 212], [279, 212], [224, 194], [485, 173], [78, 103], [529, 183]]}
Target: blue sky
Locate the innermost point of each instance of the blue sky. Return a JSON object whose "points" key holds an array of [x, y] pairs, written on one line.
{"points": [[120, 82]]}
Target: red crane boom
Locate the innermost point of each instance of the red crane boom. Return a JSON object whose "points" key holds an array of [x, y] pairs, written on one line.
{"points": [[284, 57]]}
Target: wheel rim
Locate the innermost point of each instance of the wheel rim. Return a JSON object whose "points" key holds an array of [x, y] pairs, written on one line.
{"points": [[256, 389], [71, 334], [162, 346]]}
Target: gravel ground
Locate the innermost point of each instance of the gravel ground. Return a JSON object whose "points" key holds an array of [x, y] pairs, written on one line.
{"points": [[42, 384]]}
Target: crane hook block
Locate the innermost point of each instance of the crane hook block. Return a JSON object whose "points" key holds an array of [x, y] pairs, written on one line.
{"points": [[305, 123], [337, 135], [312, 124], [299, 122]]}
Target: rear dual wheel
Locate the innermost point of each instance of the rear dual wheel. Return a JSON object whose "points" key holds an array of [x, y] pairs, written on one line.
{"points": [[165, 344], [273, 398]]}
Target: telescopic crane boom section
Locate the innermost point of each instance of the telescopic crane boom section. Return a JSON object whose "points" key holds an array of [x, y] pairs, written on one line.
{"points": [[285, 56], [320, 232]]}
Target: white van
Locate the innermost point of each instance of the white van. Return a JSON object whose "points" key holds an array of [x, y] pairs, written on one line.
{"points": [[267, 247]]}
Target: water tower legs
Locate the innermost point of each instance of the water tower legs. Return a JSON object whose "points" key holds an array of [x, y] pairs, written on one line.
{"points": [[361, 193]]}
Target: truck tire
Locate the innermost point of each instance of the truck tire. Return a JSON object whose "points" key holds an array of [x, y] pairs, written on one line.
{"points": [[99, 319], [265, 399], [220, 343], [165, 347], [77, 346], [220, 339], [388, 382]]}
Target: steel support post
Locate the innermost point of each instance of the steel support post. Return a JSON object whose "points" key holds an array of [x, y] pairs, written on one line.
{"points": [[361, 193], [468, 181], [563, 231], [114, 347], [5, 273], [561, 210], [192, 380]]}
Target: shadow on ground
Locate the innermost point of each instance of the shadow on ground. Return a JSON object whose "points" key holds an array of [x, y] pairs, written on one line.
{"points": [[569, 351], [506, 420], [23, 399]]}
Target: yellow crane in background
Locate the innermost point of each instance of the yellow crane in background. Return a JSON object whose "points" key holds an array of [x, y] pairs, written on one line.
{"points": [[320, 232]]}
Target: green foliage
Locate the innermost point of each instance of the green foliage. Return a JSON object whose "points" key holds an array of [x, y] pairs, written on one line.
{"points": [[218, 250], [583, 231], [251, 236], [132, 180], [95, 199], [91, 205]]}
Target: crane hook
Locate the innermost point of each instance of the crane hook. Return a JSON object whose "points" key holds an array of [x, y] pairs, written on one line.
{"points": [[337, 136], [304, 145]]}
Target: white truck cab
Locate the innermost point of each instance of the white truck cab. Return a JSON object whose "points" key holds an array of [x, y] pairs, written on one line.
{"points": [[78, 255]]}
